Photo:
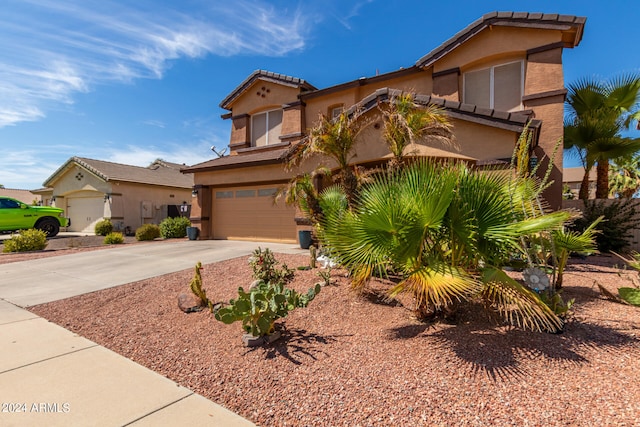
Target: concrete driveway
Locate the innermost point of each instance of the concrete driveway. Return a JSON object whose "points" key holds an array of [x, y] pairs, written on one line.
{"points": [[49, 279], [51, 376]]}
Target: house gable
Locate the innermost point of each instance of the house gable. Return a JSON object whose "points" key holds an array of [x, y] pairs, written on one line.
{"points": [[265, 110]]}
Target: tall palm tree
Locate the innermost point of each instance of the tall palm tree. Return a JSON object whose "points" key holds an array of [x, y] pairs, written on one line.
{"points": [[447, 231], [406, 123], [597, 113], [336, 139]]}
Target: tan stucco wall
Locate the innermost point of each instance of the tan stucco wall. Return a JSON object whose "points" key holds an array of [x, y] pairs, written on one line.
{"points": [[250, 102], [550, 110], [495, 42], [544, 72], [419, 82], [125, 204], [68, 183], [248, 176]]}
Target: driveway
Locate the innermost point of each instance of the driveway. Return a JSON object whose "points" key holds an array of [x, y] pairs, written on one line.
{"points": [[44, 280]]}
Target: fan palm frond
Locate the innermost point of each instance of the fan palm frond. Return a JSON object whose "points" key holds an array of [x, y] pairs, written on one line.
{"points": [[437, 285], [516, 304]]}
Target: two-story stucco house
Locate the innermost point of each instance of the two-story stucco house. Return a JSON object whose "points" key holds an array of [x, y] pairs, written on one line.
{"points": [[493, 77]]}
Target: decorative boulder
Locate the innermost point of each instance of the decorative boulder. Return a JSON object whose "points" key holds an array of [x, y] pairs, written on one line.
{"points": [[189, 303], [251, 341]]}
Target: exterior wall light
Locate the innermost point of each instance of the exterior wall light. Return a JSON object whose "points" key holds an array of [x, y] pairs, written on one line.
{"points": [[107, 197], [194, 192]]}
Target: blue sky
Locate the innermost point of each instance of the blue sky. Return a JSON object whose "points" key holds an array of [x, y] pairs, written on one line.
{"points": [[132, 81]]}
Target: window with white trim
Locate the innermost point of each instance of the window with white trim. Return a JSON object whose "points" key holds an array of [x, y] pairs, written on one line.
{"points": [[266, 128], [336, 110], [499, 87]]}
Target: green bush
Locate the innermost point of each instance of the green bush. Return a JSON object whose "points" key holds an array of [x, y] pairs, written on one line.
{"points": [[26, 240], [174, 227], [113, 238], [103, 227], [147, 232], [614, 232]]}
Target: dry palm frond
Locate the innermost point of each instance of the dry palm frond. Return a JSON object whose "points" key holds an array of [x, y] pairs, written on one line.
{"points": [[437, 286], [517, 304]]}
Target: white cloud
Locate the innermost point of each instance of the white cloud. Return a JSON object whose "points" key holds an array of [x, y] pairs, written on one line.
{"points": [[156, 123], [51, 50]]}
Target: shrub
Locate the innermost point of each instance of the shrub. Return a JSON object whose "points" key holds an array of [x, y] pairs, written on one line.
{"points": [[174, 227], [103, 227], [147, 232], [26, 240], [614, 231], [113, 238], [265, 267]]}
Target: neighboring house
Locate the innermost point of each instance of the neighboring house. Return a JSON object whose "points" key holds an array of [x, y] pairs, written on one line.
{"points": [[91, 190], [493, 77], [572, 177], [25, 196]]}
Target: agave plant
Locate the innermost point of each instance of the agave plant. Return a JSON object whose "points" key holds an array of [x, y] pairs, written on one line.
{"points": [[448, 231]]}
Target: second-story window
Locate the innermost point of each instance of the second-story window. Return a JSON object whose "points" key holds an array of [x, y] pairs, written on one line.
{"points": [[335, 110], [499, 87], [266, 128]]}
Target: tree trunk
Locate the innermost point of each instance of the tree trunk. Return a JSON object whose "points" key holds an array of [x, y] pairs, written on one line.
{"points": [[584, 186], [602, 181]]}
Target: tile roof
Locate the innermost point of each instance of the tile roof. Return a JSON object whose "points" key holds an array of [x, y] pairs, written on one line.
{"points": [[513, 121], [242, 160], [158, 173], [266, 76], [514, 19]]}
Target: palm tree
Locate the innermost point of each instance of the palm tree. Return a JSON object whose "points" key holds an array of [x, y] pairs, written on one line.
{"points": [[446, 231], [336, 139], [302, 192], [597, 114], [624, 176], [406, 123]]}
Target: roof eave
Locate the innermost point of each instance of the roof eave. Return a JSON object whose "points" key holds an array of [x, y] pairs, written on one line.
{"points": [[516, 19], [196, 168], [265, 76]]}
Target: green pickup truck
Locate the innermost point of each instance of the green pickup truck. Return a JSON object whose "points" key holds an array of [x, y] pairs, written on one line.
{"points": [[15, 215]]}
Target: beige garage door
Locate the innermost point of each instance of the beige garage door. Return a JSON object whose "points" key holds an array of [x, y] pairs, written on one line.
{"points": [[248, 213], [85, 212]]}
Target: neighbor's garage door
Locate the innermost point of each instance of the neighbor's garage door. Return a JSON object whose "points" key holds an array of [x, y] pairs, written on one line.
{"points": [[84, 212], [248, 213]]}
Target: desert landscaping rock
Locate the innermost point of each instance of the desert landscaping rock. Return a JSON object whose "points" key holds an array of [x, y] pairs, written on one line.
{"points": [[349, 360], [189, 303], [251, 341]]}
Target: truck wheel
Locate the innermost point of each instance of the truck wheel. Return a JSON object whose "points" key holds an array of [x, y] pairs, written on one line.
{"points": [[49, 226]]}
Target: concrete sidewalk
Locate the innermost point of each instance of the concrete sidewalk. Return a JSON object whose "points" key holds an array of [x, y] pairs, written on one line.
{"points": [[51, 376]]}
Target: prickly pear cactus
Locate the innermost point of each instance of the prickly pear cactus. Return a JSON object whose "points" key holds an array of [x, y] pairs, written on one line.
{"points": [[259, 308]]}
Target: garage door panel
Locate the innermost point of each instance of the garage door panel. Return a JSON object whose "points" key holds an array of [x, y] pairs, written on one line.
{"points": [[249, 213], [84, 212]]}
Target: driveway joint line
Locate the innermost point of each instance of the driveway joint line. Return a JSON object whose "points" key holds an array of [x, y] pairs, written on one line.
{"points": [[160, 408], [50, 358]]}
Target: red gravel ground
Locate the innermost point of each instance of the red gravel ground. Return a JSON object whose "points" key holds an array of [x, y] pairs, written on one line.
{"points": [[350, 360]]}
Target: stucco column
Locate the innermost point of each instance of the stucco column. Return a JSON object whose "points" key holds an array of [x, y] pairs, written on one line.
{"points": [[200, 209]]}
